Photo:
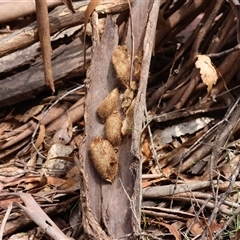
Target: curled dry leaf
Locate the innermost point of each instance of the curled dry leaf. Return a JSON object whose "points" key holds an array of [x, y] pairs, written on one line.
{"points": [[69, 4], [57, 162], [128, 121], [64, 134], [128, 96], [104, 158], [137, 65], [207, 70], [112, 129], [161, 137], [122, 63], [108, 105]]}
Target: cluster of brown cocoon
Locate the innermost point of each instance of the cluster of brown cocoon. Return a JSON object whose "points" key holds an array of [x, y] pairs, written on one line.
{"points": [[104, 158], [102, 150]]}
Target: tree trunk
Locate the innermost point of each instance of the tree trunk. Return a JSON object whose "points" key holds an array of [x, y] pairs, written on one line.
{"points": [[116, 206]]}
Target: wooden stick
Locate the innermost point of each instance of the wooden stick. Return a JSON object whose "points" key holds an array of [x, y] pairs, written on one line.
{"points": [[44, 36]]}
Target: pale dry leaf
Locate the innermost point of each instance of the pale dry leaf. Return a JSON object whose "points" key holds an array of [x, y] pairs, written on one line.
{"points": [[64, 133], [55, 163], [207, 70], [161, 137], [40, 137], [19, 236]]}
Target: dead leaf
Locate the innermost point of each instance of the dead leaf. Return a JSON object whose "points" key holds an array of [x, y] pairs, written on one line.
{"points": [[68, 3], [55, 164], [19, 236], [172, 230], [128, 121], [40, 137], [64, 134], [207, 70], [146, 151], [228, 168], [197, 227], [127, 99], [161, 137], [137, 65], [8, 125]]}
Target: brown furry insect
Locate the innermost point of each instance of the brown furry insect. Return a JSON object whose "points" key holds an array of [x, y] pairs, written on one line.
{"points": [[108, 105], [112, 129], [104, 158], [122, 63]]}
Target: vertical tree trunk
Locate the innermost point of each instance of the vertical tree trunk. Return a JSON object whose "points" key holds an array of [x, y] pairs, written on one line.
{"points": [[116, 206]]}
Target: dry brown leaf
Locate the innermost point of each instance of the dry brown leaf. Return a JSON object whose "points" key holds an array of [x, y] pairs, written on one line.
{"points": [[24, 181], [146, 151], [228, 168], [128, 121], [197, 226], [215, 226], [128, 96], [207, 70], [152, 182], [137, 65], [68, 3], [172, 230], [4, 203], [8, 125], [60, 183], [40, 137]]}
